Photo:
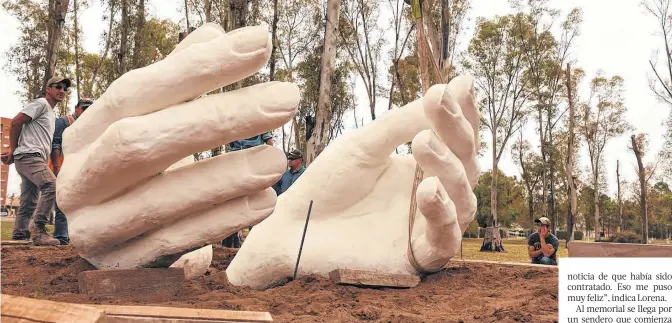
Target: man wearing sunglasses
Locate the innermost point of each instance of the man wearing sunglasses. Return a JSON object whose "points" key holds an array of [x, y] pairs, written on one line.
{"points": [[60, 221], [31, 135]]}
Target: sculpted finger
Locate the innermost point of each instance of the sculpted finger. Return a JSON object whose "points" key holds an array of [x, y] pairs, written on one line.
{"points": [[174, 194], [446, 119], [195, 263], [442, 236], [197, 69], [205, 33], [192, 231], [437, 160], [462, 89], [143, 146], [378, 140]]}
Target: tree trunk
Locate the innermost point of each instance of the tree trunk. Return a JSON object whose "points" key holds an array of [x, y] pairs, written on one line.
{"points": [[107, 49], [530, 205], [57, 12], [569, 163], [493, 186], [274, 37], [77, 72], [208, 11], [642, 186], [138, 33], [186, 14], [238, 14], [318, 139], [123, 46], [422, 54], [544, 188], [492, 240], [551, 168], [596, 203], [620, 201]]}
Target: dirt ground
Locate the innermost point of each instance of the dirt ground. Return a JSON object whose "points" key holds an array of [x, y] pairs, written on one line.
{"points": [[461, 293]]}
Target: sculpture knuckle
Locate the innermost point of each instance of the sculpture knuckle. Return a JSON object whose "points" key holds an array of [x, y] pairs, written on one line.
{"points": [[126, 142]]}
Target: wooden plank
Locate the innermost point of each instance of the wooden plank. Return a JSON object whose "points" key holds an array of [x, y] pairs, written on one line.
{"points": [[504, 263], [619, 250], [17, 309], [154, 314], [372, 278], [150, 284], [16, 243]]}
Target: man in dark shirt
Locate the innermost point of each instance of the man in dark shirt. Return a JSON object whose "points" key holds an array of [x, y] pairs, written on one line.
{"points": [[60, 221], [543, 245]]}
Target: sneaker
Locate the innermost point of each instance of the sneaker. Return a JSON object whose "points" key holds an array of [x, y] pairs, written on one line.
{"points": [[41, 236]]}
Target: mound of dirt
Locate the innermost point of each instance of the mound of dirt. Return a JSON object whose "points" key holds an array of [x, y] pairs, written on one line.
{"points": [[461, 293]]}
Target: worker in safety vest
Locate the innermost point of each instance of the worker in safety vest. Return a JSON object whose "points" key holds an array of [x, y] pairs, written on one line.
{"points": [[56, 161]]}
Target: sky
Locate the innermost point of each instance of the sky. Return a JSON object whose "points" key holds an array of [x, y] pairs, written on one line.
{"points": [[619, 41]]}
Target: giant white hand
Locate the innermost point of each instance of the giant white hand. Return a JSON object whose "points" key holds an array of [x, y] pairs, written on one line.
{"points": [[362, 194], [125, 205]]}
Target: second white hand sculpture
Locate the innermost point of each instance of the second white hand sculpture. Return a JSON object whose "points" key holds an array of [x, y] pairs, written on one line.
{"points": [[361, 195], [128, 207]]}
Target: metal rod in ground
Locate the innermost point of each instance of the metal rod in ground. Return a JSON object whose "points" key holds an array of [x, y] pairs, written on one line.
{"points": [[296, 268]]}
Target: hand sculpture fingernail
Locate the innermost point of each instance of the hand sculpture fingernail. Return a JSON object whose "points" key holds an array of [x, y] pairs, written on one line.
{"points": [[261, 201], [449, 103], [437, 146], [249, 39], [280, 97]]}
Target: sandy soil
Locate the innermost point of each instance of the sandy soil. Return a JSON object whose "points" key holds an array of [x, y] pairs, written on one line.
{"points": [[461, 293]]}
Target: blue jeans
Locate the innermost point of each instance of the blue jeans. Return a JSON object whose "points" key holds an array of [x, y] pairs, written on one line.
{"points": [[61, 227], [544, 261]]}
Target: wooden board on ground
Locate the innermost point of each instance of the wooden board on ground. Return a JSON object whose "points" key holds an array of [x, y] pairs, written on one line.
{"points": [[17, 309], [504, 263], [151, 284], [372, 278], [154, 314], [619, 250], [16, 243]]}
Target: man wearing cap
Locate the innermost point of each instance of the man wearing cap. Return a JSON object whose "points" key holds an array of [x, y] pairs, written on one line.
{"points": [[56, 161], [294, 171], [543, 245], [31, 135]]}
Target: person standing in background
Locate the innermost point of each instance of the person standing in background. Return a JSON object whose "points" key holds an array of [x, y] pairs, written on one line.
{"points": [[294, 171], [56, 161]]}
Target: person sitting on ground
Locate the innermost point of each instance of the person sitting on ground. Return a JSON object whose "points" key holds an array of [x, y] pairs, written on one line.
{"points": [[294, 171], [60, 221], [543, 245]]}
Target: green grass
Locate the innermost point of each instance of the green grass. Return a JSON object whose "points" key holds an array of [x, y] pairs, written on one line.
{"points": [[6, 228], [515, 249]]}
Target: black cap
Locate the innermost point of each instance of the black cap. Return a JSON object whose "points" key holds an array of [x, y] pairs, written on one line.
{"points": [[84, 103], [295, 154]]}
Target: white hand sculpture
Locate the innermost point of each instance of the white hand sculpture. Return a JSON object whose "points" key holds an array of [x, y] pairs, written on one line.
{"points": [[362, 194], [125, 206]]}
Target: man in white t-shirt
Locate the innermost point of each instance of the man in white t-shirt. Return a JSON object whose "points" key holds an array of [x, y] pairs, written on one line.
{"points": [[31, 135]]}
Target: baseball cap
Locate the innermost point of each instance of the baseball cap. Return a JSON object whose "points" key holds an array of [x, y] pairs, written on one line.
{"points": [[295, 154], [84, 103], [543, 220], [58, 79]]}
